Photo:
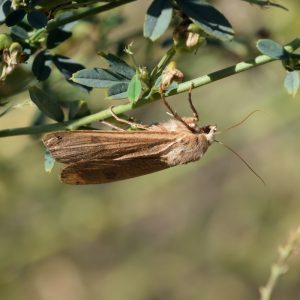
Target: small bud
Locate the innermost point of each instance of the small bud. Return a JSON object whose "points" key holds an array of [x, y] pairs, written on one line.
{"points": [[15, 47], [144, 74], [5, 41], [188, 37]]}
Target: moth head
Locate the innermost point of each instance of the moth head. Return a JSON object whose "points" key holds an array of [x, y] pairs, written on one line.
{"points": [[209, 131]]}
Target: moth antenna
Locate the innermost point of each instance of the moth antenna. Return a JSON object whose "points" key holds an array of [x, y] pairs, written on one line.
{"points": [[243, 160], [173, 112], [195, 113], [239, 123]]}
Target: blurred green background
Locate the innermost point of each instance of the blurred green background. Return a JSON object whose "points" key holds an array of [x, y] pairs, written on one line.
{"points": [[207, 230]]}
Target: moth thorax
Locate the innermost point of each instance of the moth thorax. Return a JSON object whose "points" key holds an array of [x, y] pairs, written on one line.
{"points": [[209, 132]]}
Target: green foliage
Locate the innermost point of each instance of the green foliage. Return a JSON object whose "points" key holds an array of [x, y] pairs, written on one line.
{"points": [[292, 82], [158, 18], [43, 29], [134, 89], [46, 104], [116, 77], [208, 18], [270, 48], [49, 161]]}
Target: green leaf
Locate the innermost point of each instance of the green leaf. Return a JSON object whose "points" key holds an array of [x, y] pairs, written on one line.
{"points": [[46, 104], [208, 18], [15, 17], [292, 83], [270, 48], [41, 66], [157, 19], [98, 78], [37, 19], [49, 161], [118, 65], [118, 91], [134, 89]]}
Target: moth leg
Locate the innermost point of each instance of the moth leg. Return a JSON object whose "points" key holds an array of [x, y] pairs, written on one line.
{"points": [[173, 112], [134, 124], [112, 126], [195, 113]]}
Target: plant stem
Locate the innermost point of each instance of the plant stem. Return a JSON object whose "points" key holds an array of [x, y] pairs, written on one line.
{"points": [[183, 87], [86, 13], [162, 63], [280, 267], [232, 70]]}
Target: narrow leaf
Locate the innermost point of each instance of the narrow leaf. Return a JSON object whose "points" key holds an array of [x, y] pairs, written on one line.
{"points": [[37, 19], [46, 104], [270, 48], [134, 89], [67, 67], [4, 9], [41, 67], [208, 18], [118, 91], [157, 19], [98, 78], [15, 17], [19, 32], [117, 65], [49, 161], [292, 83], [56, 37]]}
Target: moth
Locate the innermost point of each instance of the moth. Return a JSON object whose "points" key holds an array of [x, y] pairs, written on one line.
{"points": [[96, 156]]}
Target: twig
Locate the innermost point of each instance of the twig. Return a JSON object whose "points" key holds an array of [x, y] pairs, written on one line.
{"points": [[183, 87], [280, 267], [86, 13]]}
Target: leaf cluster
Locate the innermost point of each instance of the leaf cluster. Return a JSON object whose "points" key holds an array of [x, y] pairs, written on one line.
{"points": [[39, 27]]}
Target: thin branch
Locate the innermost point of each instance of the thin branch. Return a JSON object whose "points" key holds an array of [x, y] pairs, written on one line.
{"points": [[280, 267], [183, 87], [86, 13]]}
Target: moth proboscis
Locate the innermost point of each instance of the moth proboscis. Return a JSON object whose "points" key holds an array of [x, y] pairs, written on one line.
{"points": [[96, 156]]}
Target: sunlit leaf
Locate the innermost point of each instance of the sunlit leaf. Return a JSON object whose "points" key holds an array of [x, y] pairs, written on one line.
{"points": [[118, 91], [98, 78], [49, 161], [134, 89], [292, 83], [5, 6], [157, 19], [270, 48], [208, 18], [117, 65]]}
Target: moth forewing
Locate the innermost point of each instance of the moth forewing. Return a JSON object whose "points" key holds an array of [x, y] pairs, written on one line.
{"points": [[94, 156]]}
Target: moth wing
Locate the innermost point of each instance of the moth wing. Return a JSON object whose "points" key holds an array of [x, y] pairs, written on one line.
{"points": [[86, 145], [103, 171]]}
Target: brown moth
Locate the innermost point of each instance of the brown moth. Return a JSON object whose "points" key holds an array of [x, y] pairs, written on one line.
{"points": [[96, 156]]}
